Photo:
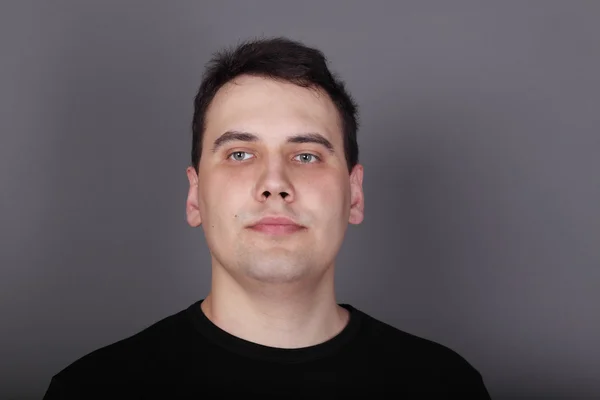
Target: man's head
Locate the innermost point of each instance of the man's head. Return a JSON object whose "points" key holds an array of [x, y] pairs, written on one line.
{"points": [[274, 134]]}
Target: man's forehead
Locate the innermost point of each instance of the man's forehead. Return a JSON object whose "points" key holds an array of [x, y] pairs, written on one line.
{"points": [[262, 105], [255, 92]]}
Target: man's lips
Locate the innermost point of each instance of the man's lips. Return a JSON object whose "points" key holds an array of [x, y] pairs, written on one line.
{"points": [[276, 226], [272, 229]]}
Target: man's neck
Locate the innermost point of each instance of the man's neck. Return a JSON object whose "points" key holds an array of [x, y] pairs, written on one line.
{"points": [[276, 320]]}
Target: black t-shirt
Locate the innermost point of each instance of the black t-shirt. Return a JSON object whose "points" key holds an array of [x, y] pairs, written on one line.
{"points": [[187, 356]]}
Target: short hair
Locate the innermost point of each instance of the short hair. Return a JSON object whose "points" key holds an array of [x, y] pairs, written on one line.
{"points": [[278, 59]]}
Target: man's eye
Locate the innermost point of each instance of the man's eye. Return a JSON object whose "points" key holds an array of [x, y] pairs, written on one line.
{"points": [[238, 155], [305, 158]]}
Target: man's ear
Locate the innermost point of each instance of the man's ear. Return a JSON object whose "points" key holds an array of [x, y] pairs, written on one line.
{"points": [[192, 209], [357, 196]]}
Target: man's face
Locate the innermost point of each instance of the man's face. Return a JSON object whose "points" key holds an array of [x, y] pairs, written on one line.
{"points": [[263, 173]]}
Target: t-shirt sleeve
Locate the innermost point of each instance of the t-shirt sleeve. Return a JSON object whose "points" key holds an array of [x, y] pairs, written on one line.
{"points": [[471, 386], [56, 391]]}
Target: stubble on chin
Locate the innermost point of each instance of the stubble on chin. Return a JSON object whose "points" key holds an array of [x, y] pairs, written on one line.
{"points": [[274, 267]]}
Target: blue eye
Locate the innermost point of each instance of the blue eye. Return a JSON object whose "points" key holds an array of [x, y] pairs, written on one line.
{"points": [[306, 160], [235, 155]]}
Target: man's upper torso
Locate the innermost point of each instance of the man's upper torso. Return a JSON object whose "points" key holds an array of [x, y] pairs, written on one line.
{"points": [[187, 356]]}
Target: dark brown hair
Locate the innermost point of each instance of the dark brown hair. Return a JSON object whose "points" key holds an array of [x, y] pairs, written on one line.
{"points": [[279, 59]]}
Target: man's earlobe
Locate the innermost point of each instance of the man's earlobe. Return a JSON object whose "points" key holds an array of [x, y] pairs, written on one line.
{"points": [[357, 197], [192, 209]]}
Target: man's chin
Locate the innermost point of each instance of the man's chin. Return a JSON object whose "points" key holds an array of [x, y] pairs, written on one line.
{"points": [[276, 264]]}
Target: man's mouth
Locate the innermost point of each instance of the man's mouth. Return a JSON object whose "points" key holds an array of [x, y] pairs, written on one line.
{"points": [[277, 229], [276, 225]]}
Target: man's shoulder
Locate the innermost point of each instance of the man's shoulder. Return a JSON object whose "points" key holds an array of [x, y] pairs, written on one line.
{"points": [[127, 358], [396, 340], [407, 351]]}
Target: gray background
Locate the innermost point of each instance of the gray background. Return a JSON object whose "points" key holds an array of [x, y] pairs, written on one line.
{"points": [[481, 151]]}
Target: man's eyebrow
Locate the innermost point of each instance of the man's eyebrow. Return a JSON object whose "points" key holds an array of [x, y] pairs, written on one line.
{"points": [[312, 138], [231, 136]]}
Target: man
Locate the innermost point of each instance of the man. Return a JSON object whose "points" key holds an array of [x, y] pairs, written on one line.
{"points": [[274, 182]]}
